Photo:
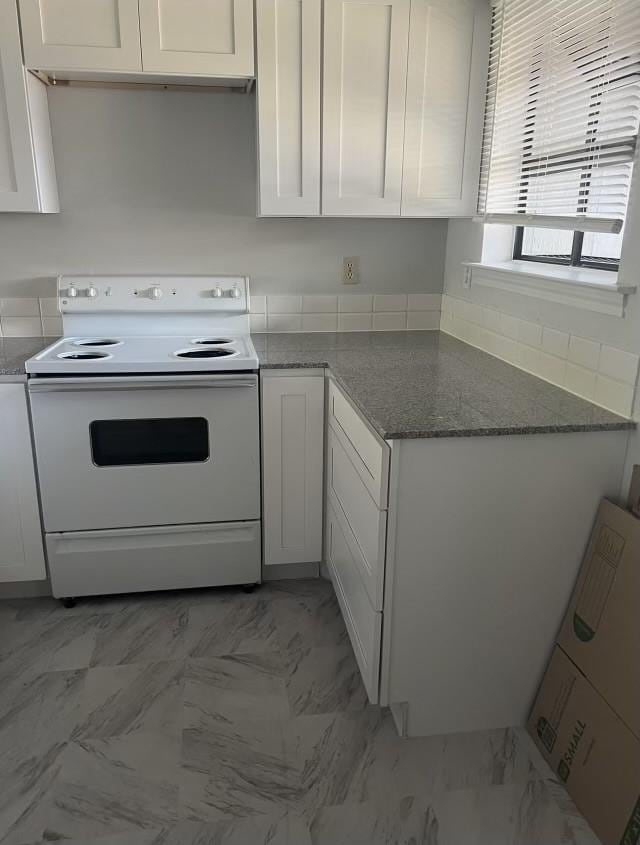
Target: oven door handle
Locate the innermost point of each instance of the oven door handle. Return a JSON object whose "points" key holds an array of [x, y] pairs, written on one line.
{"points": [[72, 384]]}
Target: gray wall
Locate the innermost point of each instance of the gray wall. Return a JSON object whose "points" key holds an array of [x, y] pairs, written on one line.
{"points": [[156, 181]]}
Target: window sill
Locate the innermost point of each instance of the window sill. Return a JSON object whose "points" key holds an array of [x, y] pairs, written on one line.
{"points": [[593, 290]]}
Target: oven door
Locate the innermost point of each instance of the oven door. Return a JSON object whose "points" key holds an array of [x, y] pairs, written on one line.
{"points": [[116, 452]]}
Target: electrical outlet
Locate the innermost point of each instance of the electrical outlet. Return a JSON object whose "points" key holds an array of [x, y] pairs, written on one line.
{"points": [[350, 271], [466, 281]]}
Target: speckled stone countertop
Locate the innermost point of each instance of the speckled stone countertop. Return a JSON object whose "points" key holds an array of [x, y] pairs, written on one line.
{"points": [[428, 384], [14, 351]]}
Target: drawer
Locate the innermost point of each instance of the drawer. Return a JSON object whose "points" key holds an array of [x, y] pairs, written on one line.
{"points": [[365, 523], [363, 623], [371, 455]]}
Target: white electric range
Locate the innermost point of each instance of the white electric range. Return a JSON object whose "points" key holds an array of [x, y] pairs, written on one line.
{"points": [[146, 427]]}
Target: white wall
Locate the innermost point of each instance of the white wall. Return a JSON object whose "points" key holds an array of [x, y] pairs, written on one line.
{"points": [[156, 181]]}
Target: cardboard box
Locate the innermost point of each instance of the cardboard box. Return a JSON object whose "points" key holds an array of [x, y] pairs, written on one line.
{"points": [[591, 750], [634, 492], [601, 630]]}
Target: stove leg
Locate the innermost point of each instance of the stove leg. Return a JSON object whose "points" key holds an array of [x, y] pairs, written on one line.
{"points": [[249, 588], [68, 602]]}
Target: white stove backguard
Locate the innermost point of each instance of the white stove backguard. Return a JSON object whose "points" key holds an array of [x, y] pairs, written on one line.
{"points": [[153, 305]]}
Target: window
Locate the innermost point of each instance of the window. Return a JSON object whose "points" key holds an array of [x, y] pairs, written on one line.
{"points": [[135, 442], [561, 126], [595, 250]]}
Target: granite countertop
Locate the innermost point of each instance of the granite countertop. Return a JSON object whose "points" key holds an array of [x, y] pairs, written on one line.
{"points": [[428, 384], [411, 384], [14, 351]]}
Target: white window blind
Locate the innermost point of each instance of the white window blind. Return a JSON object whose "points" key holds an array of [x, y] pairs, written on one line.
{"points": [[563, 107]]}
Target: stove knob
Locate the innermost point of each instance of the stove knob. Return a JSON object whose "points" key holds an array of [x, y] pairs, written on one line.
{"points": [[155, 292], [72, 291], [234, 293], [92, 292], [217, 292]]}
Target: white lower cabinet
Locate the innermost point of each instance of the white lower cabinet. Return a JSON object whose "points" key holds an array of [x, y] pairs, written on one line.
{"points": [[27, 172], [21, 550], [364, 624], [292, 466], [453, 560], [357, 464]]}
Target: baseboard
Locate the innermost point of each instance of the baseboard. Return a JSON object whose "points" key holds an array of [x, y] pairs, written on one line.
{"points": [[24, 589], [290, 570]]}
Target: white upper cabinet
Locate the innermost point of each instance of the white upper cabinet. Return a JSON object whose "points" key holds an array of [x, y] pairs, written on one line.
{"points": [[365, 69], [289, 61], [81, 35], [446, 83], [21, 553], [197, 37], [27, 172]]}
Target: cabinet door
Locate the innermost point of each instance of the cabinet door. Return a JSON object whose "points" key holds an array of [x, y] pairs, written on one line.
{"points": [[365, 68], [288, 52], [292, 455], [81, 34], [446, 83], [27, 173], [21, 555], [197, 37]]}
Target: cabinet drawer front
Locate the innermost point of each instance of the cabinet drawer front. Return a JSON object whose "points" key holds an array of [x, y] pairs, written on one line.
{"points": [[365, 524], [363, 623], [371, 455]]}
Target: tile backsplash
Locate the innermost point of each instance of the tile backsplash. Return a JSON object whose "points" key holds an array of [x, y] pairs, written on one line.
{"points": [[27, 316], [594, 371], [32, 317], [345, 313]]}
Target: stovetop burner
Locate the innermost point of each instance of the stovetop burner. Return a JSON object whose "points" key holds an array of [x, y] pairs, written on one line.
{"points": [[211, 341], [203, 353], [97, 341], [82, 356]]}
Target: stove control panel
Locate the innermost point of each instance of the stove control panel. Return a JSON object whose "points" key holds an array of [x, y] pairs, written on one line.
{"points": [[187, 294]]}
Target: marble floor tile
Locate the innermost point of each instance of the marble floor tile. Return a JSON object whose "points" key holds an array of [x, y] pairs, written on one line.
{"points": [[425, 765], [324, 680], [234, 687], [296, 587], [104, 787], [246, 624], [335, 755], [211, 717], [32, 647], [236, 770], [156, 632], [132, 698], [510, 814], [305, 621], [279, 829]]}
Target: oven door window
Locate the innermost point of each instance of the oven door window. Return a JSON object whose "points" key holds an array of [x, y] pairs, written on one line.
{"points": [[169, 440]]}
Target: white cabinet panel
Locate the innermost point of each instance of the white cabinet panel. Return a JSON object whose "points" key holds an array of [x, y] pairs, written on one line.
{"points": [[292, 455], [365, 67], [288, 53], [446, 82], [197, 37], [364, 624], [21, 554], [81, 34], [367, 525], [27, 172]]}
